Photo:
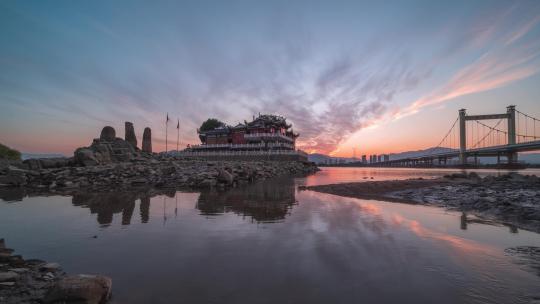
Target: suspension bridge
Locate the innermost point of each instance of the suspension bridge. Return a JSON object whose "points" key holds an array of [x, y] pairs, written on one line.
{"points": [[473, 136]]}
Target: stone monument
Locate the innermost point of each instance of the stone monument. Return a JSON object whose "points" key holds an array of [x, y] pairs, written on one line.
{"points": [[130, 134], [147, 140]]}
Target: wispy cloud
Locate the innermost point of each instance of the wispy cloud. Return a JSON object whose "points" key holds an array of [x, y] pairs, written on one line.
{"points": [[506, 61]]}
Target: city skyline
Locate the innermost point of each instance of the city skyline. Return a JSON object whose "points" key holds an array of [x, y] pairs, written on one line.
{"points": [[354, 75]]}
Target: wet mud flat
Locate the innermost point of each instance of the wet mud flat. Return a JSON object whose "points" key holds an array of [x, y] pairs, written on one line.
{"points": [[511, 199]]}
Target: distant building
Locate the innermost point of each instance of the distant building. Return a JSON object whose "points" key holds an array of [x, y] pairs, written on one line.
{"points": [[379, 158], [386, 157], [364, 160]]}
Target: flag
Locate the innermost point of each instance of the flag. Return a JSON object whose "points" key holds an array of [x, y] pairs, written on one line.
{"points": [[178, 125], [167, 118]]}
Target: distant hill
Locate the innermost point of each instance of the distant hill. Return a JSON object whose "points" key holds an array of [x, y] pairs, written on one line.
{"points": [[532, 158], [325, 159], [25, 156], [416, 153]]}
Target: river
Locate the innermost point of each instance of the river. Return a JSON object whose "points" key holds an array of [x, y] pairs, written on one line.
{"points": [[271, 243]]}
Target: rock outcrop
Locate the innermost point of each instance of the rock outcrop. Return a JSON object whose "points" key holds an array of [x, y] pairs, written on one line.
{"points": [[147, 140], [130, 134], [105, 149]]}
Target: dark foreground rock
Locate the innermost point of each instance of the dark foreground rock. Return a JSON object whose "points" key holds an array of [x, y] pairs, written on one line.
{"points": [[35, 281], [82, 288], [512, 199]]}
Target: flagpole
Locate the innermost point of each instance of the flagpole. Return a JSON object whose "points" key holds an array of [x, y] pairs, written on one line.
{"points": [[166, 125], [177, 134]]}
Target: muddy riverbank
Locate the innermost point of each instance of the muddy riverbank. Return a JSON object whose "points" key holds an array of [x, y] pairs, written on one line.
{"points": [[511, 199]]}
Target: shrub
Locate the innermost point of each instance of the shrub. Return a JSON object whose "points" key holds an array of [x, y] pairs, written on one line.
{"points": [[8, 153]]}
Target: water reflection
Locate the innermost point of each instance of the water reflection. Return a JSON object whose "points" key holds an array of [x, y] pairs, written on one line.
{"points": [[262, 202], [105, 205], [323, 249]]}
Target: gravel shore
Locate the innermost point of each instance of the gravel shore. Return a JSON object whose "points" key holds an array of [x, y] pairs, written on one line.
{"points": [[511, 199], [150, 172]]}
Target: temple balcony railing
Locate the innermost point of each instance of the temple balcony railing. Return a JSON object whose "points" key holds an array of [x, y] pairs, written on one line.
{"points": [[280, 145], [228, 146], [267, 135], [233, 153], [270, 145]]}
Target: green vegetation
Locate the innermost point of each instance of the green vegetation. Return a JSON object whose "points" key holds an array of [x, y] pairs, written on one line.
{"points": [[211, 124], [8, 153]]}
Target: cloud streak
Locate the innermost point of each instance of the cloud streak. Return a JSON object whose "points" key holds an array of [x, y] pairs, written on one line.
{"points": [[506, 62]]}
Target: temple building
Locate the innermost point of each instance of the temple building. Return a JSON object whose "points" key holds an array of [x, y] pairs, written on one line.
{"points": [[264, 133]]}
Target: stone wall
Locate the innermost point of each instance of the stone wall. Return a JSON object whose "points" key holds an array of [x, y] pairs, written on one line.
{"points": [[256, 156]]}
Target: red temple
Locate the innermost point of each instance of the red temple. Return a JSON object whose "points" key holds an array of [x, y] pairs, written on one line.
{"points": [[265, 132]]}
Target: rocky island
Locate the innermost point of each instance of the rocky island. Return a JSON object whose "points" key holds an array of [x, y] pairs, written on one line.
{"points": [[111, 163]]}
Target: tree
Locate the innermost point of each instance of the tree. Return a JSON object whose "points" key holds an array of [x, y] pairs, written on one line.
{"points": [[211, 124]]}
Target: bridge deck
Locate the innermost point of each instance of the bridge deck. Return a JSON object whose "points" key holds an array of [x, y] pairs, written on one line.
{"points": [[487, 151]]}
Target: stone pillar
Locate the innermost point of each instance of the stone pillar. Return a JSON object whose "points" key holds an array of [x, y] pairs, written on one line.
{"points": [[462, 137], [147, 140], [130, 134]]}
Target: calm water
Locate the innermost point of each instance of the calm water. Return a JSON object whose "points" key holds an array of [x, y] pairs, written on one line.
{"points": [[270, 243]]}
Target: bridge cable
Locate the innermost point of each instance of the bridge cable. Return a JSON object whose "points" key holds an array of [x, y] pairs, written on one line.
{"points": [[494, 128], [446, 137]]}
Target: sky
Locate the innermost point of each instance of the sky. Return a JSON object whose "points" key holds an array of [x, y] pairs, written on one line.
{"points": [[377, 77]]}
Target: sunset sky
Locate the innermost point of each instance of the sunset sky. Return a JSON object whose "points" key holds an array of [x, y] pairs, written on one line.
{"points": [[378, 77]]}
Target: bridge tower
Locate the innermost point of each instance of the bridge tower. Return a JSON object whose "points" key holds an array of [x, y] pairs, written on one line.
{"points": [[510, 116], [511, 113], [462, 136]]}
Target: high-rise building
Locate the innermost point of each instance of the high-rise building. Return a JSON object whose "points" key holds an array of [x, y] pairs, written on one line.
{"points": [[364, 160]]}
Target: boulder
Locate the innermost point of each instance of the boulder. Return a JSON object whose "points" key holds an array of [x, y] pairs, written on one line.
{"points": [[89, 289], [107, 134], [147, 140], [47, 163], [130, 134], [85, 157], [8, 276], [33, 164], [14, 177], [225, 177], [50, 267]]}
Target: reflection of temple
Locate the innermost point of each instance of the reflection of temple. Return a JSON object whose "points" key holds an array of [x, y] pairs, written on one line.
{"points": [[107, 204], [264, 201]]}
